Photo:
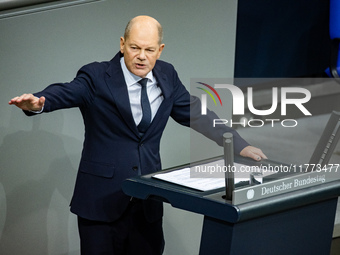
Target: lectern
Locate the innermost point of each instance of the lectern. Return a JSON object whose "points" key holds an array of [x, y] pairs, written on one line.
{"points": [[287, 214]]}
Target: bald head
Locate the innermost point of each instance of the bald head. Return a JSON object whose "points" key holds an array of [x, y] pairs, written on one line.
{"points": [[145, 22], [141, 45]]}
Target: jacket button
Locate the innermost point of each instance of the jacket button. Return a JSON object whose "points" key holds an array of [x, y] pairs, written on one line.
{"points": [[135, 168]]}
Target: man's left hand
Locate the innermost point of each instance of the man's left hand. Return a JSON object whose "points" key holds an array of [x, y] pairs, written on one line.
{"points": [[253, 152]]}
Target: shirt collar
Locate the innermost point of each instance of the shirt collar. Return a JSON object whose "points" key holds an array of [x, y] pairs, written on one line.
{"points": [[130, 78]]}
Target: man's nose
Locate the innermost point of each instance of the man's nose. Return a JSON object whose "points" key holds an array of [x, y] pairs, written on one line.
{"points": [[142, 54]]}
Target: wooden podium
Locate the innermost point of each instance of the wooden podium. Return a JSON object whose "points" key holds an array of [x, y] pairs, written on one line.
{"points": [[295, 222]]}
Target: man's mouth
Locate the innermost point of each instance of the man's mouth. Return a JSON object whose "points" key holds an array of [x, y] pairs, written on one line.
{"points": [[140, 65]]}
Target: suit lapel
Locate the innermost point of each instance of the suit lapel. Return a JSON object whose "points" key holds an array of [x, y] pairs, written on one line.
{"points": [[163, 82], [117, 86]]}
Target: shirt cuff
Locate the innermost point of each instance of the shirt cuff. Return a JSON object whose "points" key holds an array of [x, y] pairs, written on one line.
{"points": [[42, 109]]}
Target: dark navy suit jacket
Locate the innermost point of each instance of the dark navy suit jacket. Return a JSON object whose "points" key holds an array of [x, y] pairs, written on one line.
{"points": [[113, 149]]}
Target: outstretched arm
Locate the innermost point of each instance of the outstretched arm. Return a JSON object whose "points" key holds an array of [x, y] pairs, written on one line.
{"points": [[28, 102]]}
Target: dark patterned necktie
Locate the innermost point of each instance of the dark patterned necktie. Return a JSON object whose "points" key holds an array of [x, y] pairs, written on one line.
{"points": [[146, 109]]}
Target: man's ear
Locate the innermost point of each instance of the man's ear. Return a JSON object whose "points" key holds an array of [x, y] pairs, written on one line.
{"points": [[160, 50], [122, 43]]}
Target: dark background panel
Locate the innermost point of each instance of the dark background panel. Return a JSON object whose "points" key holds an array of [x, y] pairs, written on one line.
{"points": [[282, 38]]}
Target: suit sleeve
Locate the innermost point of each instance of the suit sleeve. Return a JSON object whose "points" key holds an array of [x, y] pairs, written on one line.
{"points": [[187, 111], [77, 93]]}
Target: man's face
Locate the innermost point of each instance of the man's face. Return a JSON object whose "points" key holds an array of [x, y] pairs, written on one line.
{"points": [[141, 49]]}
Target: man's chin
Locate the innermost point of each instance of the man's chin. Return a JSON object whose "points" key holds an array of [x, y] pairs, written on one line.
{"points": [[140, 73]]}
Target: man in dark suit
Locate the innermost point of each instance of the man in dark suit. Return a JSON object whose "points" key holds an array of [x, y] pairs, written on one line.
{"points": [[116, 146]]}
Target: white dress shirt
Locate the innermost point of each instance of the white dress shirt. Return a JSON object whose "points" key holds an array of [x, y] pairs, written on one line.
{"points": [[134, 89]]}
